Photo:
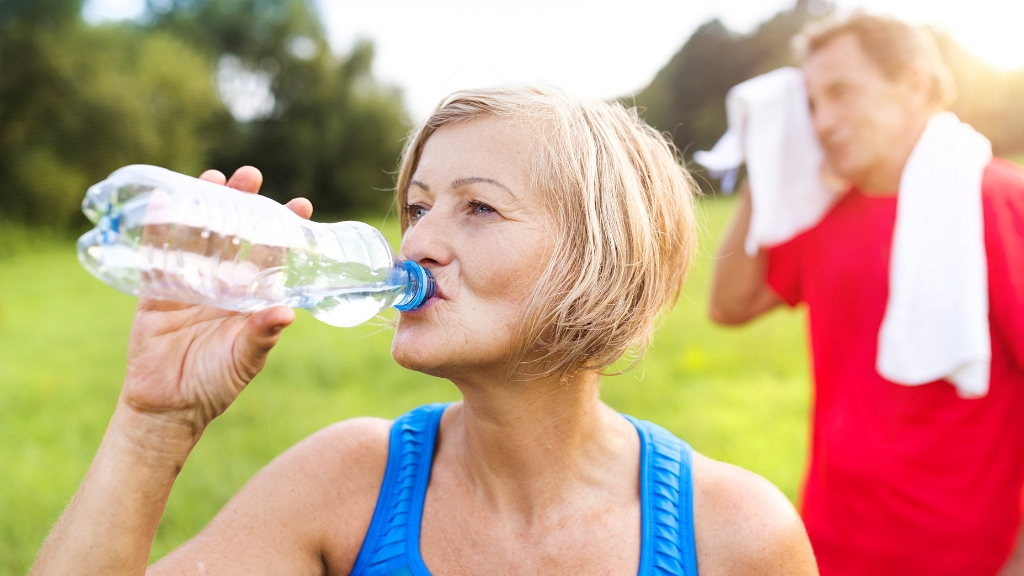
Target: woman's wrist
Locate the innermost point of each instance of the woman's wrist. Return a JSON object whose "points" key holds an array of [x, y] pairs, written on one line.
{"points": [[108, 527], [159, 439]]}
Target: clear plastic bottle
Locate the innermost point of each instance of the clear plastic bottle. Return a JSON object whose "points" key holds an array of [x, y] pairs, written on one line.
{"points": [[160, 234]]}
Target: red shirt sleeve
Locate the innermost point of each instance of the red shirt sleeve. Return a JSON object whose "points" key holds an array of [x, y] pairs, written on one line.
{"points": [[785, 269], [1003, 205]]}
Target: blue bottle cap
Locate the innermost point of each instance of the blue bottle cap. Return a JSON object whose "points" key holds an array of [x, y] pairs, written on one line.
{"points": [[423, 286]]}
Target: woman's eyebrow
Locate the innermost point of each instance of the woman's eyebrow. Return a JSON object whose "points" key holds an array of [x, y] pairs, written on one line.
{"points": [[460, 182], [418, 184]]}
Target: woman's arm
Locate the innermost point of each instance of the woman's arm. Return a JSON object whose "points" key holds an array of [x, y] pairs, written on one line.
{"points": [[186, 365], [108, 527], [305, 513]]}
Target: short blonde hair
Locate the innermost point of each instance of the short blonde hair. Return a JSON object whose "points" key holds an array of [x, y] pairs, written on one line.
{"points": [[894, 46], [625, 224]]}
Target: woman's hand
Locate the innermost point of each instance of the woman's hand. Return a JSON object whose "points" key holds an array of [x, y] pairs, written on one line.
{"points": [[188, 363]]}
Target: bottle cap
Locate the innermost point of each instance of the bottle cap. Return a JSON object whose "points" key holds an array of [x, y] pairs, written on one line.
{"points": [[423, 286]]}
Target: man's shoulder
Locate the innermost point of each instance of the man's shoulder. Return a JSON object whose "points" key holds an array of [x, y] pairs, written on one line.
{"points": [[1003, 181]]}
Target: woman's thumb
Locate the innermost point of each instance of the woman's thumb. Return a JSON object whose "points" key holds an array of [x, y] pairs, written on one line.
{"points": [[259, 334]]}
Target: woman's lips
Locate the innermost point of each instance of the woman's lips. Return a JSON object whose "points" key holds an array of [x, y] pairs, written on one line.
{"points": [[438, 295]]}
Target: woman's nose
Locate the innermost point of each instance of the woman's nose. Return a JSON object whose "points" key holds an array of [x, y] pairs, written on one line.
{"points": [[428, 240]]}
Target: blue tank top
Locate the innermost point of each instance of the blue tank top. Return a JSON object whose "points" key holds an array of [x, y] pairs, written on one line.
{"points": [[392, 543]]}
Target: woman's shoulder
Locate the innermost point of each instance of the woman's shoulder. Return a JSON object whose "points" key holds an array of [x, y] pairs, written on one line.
{"points": [[744, 524], [341, 468], [345, 462], [313, 503], [356, 438]]}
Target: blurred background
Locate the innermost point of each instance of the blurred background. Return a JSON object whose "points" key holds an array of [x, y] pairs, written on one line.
{"points": [[320, 96]]}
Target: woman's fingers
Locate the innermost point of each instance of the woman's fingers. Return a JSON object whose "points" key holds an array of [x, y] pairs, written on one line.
{"points": [[302, 207], [246, 179], [215, 176]]}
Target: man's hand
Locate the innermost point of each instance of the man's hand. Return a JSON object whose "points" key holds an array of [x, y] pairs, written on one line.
{"points": [[739, 291]]}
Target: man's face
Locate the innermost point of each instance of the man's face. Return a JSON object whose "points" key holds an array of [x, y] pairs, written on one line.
{"points": [[862, 118]]}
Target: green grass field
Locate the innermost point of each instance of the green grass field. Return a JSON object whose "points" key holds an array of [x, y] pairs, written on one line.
{"points": [[738, 395]]}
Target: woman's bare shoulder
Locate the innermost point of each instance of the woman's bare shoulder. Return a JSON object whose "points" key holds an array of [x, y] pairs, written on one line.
{"points": [[344, 466], [356, 441], [308, 510], [345, 460], [745, 525]]}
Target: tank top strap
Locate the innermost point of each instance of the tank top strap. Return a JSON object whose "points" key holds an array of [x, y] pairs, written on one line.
{"points": [[392, 543], [666, 503], [391, 546]]}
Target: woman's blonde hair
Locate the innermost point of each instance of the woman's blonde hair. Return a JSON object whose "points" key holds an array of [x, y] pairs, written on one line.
{"points": [[625, 226]]}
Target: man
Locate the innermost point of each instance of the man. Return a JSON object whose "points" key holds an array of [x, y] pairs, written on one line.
{"points": [[902, 480]]}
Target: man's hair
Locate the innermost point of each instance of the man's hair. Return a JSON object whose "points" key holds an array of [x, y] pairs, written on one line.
{"points": [[625, 227], [894, 46]]}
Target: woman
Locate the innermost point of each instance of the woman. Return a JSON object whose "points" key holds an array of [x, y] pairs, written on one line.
{"points": [[557, 230]]}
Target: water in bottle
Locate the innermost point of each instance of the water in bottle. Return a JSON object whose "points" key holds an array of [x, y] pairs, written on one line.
{"points": [[160, 234]]}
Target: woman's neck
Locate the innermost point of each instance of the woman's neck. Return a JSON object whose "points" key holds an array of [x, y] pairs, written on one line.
{"points": [[523, 446]]}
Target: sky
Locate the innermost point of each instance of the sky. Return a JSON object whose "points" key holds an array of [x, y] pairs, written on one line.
{"points": [[600, 48]]}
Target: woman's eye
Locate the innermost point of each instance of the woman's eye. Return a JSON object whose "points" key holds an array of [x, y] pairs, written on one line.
{"points": [[416, 212], [479, 208]]}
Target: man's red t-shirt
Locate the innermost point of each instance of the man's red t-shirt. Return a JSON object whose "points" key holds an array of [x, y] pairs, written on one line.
{"points": [[907, 480]]}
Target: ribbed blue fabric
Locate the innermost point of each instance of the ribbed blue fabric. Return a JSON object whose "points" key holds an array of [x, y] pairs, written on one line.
{"points": [[392, 543], [667, 544]]}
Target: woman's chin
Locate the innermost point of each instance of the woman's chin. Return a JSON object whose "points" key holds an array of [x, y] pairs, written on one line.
{"points": [[411, 353]]}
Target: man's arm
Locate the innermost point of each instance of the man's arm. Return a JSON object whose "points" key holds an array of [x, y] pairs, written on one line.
{"points": [[1015, 563], [739, 291]]}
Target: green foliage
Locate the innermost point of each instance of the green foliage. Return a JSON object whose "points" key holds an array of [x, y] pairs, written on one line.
{"points": [[25, 13], [738, 395], [687, 97], [253, 30], [334, 134], [79, 101], [987, 99], [334, 138]]}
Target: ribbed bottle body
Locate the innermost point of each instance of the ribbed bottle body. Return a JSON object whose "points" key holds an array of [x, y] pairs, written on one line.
{"points": [[164, 235]]}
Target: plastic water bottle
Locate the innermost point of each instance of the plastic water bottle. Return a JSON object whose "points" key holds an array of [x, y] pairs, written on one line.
{"points": [[160, 234]]}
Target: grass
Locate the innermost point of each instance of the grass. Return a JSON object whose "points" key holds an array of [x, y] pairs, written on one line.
{"points": [[737, 395]]}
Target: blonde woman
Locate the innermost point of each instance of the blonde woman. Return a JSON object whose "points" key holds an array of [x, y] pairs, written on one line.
{"points": [[557, 230]]}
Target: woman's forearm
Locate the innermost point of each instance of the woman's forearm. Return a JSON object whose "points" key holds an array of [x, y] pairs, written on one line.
{"points": [[109, 526]]}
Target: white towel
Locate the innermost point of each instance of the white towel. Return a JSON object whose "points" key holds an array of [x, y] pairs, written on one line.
{"points": [[770, 127], [936, 320]]}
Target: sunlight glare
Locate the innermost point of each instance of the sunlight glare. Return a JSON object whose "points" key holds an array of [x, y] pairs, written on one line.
{"points": [[988, 29], [998, 44]]}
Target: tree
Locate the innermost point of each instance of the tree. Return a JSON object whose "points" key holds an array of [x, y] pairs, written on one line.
{"points": [[77, 102], [987, 99], [334, 135], [687, 97]]}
